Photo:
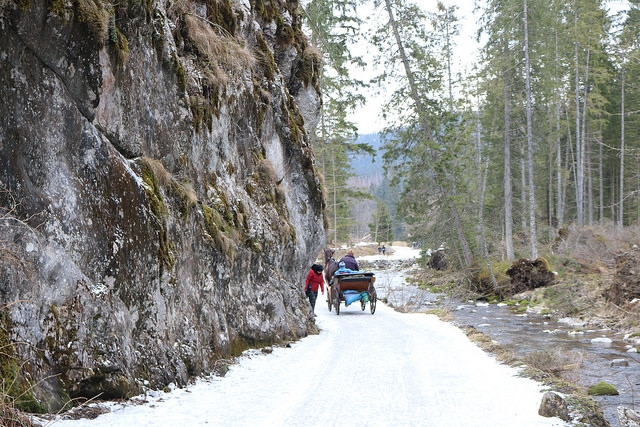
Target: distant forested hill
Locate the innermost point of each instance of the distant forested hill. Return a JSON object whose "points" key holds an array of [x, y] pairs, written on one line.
{"points": [[369, 175], [368, 170]]}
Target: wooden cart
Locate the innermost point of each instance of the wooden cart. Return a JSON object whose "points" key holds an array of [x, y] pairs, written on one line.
{"points": [[352, 287]]}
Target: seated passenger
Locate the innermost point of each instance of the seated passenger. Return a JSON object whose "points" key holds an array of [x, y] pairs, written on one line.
{"points": [[350, 261]]}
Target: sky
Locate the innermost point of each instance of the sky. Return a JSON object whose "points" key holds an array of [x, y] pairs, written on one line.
{"points": [[362, 369]]}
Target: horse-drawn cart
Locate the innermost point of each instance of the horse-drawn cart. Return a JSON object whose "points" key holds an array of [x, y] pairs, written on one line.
{"points": [[352, 287]]}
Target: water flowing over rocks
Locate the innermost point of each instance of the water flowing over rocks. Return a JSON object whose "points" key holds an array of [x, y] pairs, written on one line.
{"points": [[159, 204]]}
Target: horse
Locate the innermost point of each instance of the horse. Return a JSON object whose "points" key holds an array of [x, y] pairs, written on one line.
{"points": [[330, 265]]}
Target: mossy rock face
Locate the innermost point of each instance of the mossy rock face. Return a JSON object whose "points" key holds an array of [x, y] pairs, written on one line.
{"points": [[18, 389], [602, 389], [137, 255]]}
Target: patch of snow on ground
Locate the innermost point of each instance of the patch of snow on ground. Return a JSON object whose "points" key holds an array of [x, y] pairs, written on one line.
{"points": [[397, 253]]}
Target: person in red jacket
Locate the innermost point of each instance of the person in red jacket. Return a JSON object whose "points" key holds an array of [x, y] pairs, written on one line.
{"points": [[313, 282]]}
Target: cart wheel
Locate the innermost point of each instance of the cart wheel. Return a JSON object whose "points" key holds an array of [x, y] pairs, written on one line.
{"points": [[372, 302], [335, 296]]}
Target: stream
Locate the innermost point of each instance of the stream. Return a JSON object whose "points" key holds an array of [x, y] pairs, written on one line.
{"points": [[599, 354]]}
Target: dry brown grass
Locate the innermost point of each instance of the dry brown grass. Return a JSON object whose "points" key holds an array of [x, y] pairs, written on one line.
{"points": [[594, 247], [16, 390], [162, 176], [266, 171], [11, 391], [442, 314], [561, 364], [485, 342], [192, 197], [225, 56]]}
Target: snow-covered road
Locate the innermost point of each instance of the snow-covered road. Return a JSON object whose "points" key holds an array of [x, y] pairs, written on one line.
{"points": [[386, 369]]}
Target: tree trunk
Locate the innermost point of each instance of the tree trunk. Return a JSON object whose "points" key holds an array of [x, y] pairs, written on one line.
{"points": [[523, 188], [409, 73], [621, 195], [560, 193], [334, 194], [601, 180], [508, 194], [586, 149], [589, 169], [482, 184], [532, 198], [579, 142], [560, 181]]}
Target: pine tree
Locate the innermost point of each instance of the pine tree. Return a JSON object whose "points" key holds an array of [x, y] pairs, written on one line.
{"points": [[423, 143], [334, 25]]}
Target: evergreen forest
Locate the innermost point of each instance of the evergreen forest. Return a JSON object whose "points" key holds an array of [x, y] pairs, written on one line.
{"points": [[541, 134]]}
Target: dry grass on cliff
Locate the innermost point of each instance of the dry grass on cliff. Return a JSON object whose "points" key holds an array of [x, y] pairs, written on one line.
{"points": [[161, 174], [10, 415], [15, 393], [224, 54], [266, 171]]}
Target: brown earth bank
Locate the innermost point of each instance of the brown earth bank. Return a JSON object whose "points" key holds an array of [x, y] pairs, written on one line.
{"points": [[588, 273]]}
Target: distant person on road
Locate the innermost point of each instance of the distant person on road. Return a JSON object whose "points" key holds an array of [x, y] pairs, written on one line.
{"points": [[379, 250], [313, 282], [384, 250], [350, 261]]}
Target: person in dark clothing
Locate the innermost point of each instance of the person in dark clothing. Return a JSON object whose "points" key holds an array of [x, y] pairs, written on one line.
{"points": [[350, 261], [314, 281]]}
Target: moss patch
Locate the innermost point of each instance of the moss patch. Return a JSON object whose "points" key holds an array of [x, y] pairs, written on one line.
{"points": [[310, 66], [95, 16], [215, 228], [238, 344], [17, 392], [178, 69], [154, 175], [602, 389], [220, 13], [117, 41], [183, 196], [268, 62]]}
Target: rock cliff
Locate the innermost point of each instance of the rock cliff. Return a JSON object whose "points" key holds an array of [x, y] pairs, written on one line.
{"points": [[159, 201]]}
